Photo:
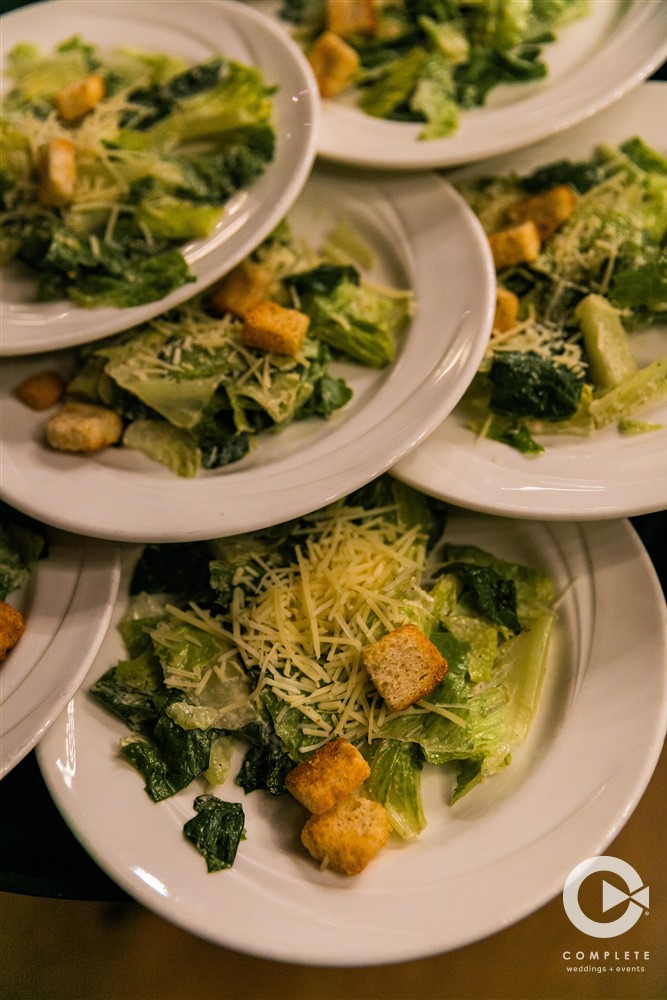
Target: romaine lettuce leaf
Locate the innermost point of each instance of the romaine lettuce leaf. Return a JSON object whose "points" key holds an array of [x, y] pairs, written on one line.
{"points": [[23, 543], [216, 831], [395, 781]]}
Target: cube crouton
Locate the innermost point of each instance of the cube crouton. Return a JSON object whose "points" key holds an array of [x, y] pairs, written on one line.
{"points": [[271, 327], [515, 245], [79, 97], [548, 210], [405, 666], [507, 310], [83, 427], [351, 17], [348, 836], [327, 775], [42, 390], [334, 63], [12, 627], [244, 287], [57, 173]]}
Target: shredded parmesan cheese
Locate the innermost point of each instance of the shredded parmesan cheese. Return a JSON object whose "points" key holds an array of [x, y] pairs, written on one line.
{"points": [[300, 629]]}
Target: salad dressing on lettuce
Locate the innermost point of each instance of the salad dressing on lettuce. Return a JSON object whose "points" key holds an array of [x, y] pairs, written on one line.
{"points": [[112, 161], [190, 392], [260, 640], [564, 362], [426, 61]]}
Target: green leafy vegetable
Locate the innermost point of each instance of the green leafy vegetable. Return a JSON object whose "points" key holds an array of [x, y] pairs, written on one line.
{"points": [[154, 162], [527, 385], [193, 396], [252, 661], [23, 543], [493, 595], [216, 831], [568, 364], [424, 61]]}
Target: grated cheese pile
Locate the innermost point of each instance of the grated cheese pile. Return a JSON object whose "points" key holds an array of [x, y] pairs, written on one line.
{"points": [[300, 628]]}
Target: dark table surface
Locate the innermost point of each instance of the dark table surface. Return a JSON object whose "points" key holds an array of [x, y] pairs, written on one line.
{"points": [[39, 856]]}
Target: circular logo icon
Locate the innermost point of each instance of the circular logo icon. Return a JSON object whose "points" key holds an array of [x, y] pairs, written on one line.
{"points": [[636, 897]]}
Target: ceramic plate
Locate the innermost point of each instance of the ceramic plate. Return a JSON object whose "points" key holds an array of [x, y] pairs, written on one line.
{"points": [[604, 475], [194, 31], [595, 61], [67, 606], [497, 855], [423, 237]]}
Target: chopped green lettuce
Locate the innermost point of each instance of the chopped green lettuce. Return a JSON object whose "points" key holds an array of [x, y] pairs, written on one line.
{"points": [[195, 683], [569, 365], [166, 146], [23, 543], [193, 396], [426, 60], [216, 831]]}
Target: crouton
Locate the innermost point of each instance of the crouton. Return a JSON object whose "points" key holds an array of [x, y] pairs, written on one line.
{"points": [[515, 245], [327, 775], [405, 666], [334, 63], [351, 17], [244, 287], [548, 210], [42, 390], [12, 627], [57, 173], [507, 310], [348, 836], [271, 327], [83, 427], [79, 97]]}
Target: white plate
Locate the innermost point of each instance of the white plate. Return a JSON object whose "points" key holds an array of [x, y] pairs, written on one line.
{"points": [[67, 604], [423, 237], [195, 31], [600, 476], [499, 854], [595, 61]]}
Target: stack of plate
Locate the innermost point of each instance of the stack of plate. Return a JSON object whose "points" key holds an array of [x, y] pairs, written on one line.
{"points": [[595, 742]]}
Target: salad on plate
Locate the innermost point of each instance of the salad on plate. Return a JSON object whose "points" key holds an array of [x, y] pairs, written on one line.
{"points": [[193, 388], [113, 160], [23, 543], [284, 642], [426, 61], [579, 249]]}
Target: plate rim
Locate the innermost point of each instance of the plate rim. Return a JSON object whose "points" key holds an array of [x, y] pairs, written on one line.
{"points": [[98, 566], [483, 491], [110, 320], [637, 20], [616, 815], [291, 481]]}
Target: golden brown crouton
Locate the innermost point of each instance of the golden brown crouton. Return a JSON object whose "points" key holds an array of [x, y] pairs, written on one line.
{"points": [[275, 328], [351, 17], [507, 310], [12, 627], [515, 245], [327, 775], [548, 210], [241, 289], [334, 64], [42, 390], [404, 666], [349, 835], [79, 97], [57, 173], [83, 427]]}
